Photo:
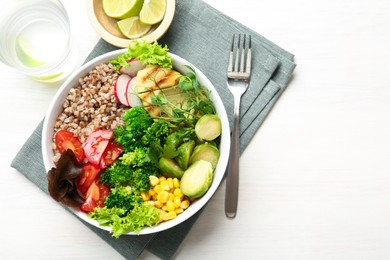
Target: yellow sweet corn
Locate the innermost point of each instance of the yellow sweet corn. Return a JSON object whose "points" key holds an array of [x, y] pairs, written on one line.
{"points": [[165, 194], [154, 180], [185, 204], [176, 183], [169, 215]]}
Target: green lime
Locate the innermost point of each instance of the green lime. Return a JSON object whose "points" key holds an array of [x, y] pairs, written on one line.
{"points": [[132, 28], [27, 53], [153, 11], [122, 9]]}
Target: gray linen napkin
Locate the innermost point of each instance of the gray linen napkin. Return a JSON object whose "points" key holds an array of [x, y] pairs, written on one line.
{"points": [[202, 35]]}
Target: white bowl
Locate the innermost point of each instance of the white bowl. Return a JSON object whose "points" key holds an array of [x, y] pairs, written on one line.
{"points": [[55, 109]]}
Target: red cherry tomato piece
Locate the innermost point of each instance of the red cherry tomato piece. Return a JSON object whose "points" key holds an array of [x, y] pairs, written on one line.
{"points": [[104, 190], [65, 140], [87, 177], [92, 196], [111, 153], [96, 144], [95, 197]]}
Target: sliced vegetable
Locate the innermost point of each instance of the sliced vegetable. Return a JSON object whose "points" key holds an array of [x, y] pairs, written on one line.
{"points": [[87, 177], [208, 127], [170, 168], [112, 152], [132, 68], [120, 89], [65, 140], [131, 93], [197, 179], [95, 196], [185, 151], [92, 198], [96, 144], [206, 152]]}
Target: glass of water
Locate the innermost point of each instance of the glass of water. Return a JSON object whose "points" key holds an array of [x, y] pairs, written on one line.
{"points": [[35, 39]]}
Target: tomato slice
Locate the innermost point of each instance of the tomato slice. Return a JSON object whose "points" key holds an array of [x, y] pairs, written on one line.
{"points": [[95, 197], [111, 153], [96, 144], [88, 175], [65, 140], [104, 190], [92, 197]]}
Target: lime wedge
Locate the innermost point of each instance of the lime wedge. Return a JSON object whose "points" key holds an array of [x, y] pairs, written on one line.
{"points": [[27, 53], [121, 9], [132, 28], [152, 11]]}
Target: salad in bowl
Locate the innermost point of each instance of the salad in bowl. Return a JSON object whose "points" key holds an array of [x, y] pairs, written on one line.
{"points": [[136, 141]]}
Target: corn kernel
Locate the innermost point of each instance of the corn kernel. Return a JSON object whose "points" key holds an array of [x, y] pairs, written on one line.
{"points": [[177, 202], [154, 197], [164, 208], [177, 192], [184, 204], [163, 196], [170, 183], [158, 204], [176, 183], [170, 205], [145, 196], [154, 180], [151, 192], [179, 210], [157, 188], [162, 178], [164, 185], [170, 215], [171, 196]]}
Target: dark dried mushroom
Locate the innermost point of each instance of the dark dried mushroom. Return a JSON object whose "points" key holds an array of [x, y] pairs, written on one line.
{"points": [[62, 180]]}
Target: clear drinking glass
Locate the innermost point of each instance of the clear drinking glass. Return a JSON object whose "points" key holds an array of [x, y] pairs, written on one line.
{"points": [[35, 39]]}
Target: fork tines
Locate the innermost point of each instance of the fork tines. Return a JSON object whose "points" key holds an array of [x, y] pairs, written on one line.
{"points": [[239, 67]]}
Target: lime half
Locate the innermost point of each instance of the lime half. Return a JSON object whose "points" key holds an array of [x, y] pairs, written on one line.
{"points": [[121, 9], [153, 11], [132, 28], [27, 53]]}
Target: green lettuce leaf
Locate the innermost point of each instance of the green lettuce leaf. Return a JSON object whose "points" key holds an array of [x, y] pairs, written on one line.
{"points": [[148, 53], [142, 215]]}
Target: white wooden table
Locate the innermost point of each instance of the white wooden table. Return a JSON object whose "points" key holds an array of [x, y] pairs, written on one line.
{"points": [[315, 180]]}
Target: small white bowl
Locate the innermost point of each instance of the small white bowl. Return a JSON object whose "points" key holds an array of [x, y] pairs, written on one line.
{"points": [[106, 26], [55, 109]]}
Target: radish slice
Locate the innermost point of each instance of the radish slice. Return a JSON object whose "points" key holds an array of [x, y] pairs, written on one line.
{"points": [[131, 95], [133, 68], [121, 88]]}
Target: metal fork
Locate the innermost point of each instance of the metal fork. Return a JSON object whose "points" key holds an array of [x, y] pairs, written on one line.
{"points": [[238, 75]]}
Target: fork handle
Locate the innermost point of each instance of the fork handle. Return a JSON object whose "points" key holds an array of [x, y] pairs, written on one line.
{"points": [[231, 193]]}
